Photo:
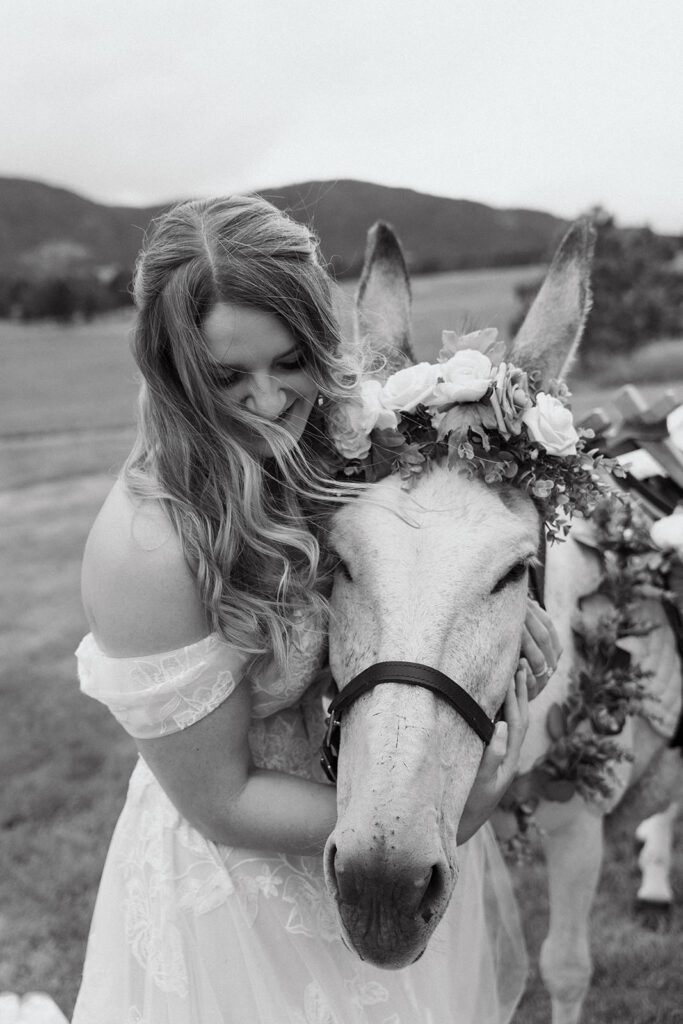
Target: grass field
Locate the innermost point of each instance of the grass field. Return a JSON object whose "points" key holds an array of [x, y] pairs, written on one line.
{"points": [[66, 410]]}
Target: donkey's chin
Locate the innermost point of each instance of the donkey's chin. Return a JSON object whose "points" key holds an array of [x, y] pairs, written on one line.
{"points": [[389, 946]]}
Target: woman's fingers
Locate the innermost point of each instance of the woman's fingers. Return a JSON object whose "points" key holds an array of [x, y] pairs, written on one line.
{"points": [[517, 714], [502, 754], [494, 753], [532, 683], [540, 646], [499, 760], [543, 631], [532, 651]]}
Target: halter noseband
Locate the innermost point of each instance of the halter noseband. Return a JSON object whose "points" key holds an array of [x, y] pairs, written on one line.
{"points": [[413, 674]]}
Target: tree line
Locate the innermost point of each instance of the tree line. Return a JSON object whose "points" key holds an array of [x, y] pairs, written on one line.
{"points": [[637, 291], [63, 297]]}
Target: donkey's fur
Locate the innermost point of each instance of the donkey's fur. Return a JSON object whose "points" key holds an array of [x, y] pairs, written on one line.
{"points": [[419, 583]]}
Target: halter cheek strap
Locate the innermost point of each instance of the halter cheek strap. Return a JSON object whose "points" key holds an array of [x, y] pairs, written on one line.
{"points": [[413, 674]]}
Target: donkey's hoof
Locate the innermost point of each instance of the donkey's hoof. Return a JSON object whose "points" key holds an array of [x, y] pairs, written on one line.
{"points": [[655, 915]]}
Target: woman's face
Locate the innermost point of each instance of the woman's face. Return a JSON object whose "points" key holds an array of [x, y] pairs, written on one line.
{"points": [[260, 365]]}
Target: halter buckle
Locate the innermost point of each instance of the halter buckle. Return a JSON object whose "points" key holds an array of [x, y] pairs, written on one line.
{"points": [[329, 751]]}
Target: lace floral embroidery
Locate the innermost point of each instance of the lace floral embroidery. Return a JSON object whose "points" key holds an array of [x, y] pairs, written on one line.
{"points": [[158, 694], [367, 993], [161, 693], [273, 689], [157, 946], [312, 911], [280, 744], [186, 709], [155, 876], [249, 887], [297, 884], [317, 1009]]}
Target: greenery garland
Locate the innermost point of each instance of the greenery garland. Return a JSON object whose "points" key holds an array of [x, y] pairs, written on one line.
{"points": [[606, 685]]}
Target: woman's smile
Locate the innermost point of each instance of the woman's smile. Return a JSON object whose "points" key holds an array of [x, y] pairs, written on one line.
{"points": [[261, 365]]}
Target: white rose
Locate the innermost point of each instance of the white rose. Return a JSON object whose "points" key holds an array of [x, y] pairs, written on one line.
{"points": [[375, 413], [351, 423], [350, 439], [551, 424], [668, 532], [408, 388], [466, 378]]}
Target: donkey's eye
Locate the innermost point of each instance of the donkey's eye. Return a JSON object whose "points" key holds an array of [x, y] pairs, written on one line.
{"points": [[516, 573]]}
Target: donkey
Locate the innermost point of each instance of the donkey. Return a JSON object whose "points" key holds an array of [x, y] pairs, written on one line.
{"points": [[438, 575]]}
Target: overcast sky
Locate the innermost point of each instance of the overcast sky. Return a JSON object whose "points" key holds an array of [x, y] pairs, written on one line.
{"points": [[550, 104]]}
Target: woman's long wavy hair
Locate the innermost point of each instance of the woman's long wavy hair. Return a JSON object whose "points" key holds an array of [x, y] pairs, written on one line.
{"points": [[243, 520]]}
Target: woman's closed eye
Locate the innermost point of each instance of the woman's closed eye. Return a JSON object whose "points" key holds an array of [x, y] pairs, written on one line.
{"points": [[291, 363], [225, 379], [294, 361]]}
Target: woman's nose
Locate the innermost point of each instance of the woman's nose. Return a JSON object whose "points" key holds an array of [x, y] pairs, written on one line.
{"points": [[266, 397]]}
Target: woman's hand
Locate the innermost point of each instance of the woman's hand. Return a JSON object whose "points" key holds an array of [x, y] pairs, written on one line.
{"points": [[499, 763], [540, 647]]}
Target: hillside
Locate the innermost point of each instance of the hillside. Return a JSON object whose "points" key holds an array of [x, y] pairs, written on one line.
{"points": [[38, 221], [437, 233], [46, 229]]}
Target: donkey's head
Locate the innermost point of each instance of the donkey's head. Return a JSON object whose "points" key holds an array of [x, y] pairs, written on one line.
{"points": [[434, 575]]}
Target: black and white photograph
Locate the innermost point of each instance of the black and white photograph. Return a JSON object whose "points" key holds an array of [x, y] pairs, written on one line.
{"points": [[341, 512]]}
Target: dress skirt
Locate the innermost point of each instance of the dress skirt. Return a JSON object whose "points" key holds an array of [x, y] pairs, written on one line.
{"points": [[186, 931]]}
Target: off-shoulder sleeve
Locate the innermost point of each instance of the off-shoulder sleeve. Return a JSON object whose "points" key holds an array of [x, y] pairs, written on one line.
{"points": [[157, 694]]}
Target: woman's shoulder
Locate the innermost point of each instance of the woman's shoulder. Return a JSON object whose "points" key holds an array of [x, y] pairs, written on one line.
{"points": [[138, 593]]}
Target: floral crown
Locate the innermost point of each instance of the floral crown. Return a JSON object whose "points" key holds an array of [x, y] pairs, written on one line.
{"points": [[486, 416]]}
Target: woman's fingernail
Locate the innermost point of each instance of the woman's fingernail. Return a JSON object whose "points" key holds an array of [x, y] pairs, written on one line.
{"points": [[500, 735]]}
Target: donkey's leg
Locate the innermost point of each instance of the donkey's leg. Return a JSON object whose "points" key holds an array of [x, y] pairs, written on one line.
{"points": [[573, 844], [659, 790], [656, 835]]}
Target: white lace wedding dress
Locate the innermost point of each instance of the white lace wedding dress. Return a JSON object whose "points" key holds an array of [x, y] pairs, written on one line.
{"points": [[189, 932]]}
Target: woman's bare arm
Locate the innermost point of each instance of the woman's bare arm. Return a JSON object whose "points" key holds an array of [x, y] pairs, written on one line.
{"points": [[207, 772], [140, 598]]}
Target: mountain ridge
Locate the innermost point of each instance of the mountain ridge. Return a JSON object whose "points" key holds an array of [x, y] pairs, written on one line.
{"points": [[47, 228]]}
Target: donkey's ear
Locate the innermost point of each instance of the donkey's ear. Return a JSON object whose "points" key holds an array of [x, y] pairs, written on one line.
{"points": [[548, 339], [383, 302]]}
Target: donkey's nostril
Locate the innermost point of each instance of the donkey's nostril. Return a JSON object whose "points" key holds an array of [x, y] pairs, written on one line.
{"points": [[434, 893], [330, 866], [340, 882]]}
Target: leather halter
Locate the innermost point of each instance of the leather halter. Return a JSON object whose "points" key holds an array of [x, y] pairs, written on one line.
{"points": [[413, 674]]}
